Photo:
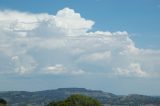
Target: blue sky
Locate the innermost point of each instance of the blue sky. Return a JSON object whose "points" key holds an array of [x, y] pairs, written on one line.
{"points": [[108, 45]]}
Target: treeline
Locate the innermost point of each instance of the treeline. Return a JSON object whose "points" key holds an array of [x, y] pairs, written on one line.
{"points": [[76, 100], [2, 102]]}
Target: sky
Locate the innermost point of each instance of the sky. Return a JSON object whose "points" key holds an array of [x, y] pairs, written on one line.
{"points": [[107, 45]]}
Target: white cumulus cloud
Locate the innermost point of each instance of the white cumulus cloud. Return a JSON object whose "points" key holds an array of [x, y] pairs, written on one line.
{"points": [[134, 69], [61, 69], [32, 42]]}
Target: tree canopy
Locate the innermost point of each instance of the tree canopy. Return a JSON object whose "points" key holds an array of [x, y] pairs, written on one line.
{"points": [[2, 101], [77, 100]]}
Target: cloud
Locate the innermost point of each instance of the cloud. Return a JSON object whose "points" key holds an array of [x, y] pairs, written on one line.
{"points": [[60, 69], [64, 44], [98, 56], [72, 22], [134, 69], [23, 64], [56, 69]]}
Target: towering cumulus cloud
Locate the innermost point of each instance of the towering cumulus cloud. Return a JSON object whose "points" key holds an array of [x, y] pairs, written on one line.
{"points": [[64, 44]]}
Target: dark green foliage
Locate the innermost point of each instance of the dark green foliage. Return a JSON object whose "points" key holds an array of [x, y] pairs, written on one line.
{"points": [[2, 101], [77, 100]]}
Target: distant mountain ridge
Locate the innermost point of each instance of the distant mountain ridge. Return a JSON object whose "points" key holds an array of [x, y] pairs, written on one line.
{"points": [[41, 98]]}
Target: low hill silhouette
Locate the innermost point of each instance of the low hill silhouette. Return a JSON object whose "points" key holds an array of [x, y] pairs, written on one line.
{"points": [[42, 98]]}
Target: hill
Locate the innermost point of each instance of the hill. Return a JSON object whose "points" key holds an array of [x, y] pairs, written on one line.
{"points": [[41, 98]]}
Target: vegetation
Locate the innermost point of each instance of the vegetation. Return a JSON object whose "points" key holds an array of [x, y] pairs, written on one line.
{"points": [[77, 100], [2, 101]]}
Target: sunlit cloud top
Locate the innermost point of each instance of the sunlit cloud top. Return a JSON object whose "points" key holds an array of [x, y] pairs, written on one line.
{"points": [[64, 44]]}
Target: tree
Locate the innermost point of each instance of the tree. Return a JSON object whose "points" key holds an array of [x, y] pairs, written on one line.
{"points": [[2, 102], [76, 100]]}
